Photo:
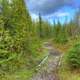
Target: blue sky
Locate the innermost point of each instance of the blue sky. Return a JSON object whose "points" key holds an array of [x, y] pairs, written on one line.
{"points": [[63, 10]]}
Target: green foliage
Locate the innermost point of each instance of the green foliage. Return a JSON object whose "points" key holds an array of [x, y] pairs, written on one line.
{"points": [[73, 57], [15, 34], [17, 37], [20, 37], [60, 34]]}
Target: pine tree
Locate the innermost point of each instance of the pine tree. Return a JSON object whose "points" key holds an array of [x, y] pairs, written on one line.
{"points": [[40, 26], [22, 22], [6, 12], [17, 21]]}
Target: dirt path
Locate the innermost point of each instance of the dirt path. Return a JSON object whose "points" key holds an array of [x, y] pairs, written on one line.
{"points": [[48, 67]]}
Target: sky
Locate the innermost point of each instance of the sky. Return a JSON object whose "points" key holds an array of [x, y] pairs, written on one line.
{"points": [[53, 10]]}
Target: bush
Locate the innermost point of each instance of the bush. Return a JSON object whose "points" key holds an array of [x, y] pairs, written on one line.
{"points": [[61, 39], [73, 57]]}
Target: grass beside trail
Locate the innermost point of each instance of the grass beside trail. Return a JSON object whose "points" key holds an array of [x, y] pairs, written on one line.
{"points": [[64, 72], [66, 46], [27, 72]]}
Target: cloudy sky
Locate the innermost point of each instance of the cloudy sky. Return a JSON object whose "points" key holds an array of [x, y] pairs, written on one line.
{"points": [[53, 9]]}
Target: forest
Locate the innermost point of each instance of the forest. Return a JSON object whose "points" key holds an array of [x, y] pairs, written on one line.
{"points": [[22, 40]]}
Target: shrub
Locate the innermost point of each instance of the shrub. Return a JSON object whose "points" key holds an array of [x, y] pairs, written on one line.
{"points": [[60, 34], [73, 57], [61, 39]]}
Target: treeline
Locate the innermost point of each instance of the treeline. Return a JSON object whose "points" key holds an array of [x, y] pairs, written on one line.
{"points": [[18, 32], [63, 33], [60, 33]]}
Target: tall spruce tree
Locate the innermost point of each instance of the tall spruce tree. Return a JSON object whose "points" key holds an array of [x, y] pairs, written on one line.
{"points": [[17, 20], [21, 20], [40, 26], [6, 12], [14, 18]]}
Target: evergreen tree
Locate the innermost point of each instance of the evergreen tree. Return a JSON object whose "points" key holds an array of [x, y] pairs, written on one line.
{"points": [[40, 26], [21, 21], [6, 12]]}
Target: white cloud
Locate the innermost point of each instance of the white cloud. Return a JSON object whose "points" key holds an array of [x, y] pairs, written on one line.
{"points": [[34, 16], [61, 14], [57, 15]]}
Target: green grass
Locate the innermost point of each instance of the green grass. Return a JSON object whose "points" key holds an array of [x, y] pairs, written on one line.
{"points": [[26, 72], [64, 47], [66, 74], [21, 75]]}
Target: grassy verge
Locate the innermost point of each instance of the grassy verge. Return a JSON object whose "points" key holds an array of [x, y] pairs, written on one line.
{"points": [[28, 70], [64, 72], [65, 47]]}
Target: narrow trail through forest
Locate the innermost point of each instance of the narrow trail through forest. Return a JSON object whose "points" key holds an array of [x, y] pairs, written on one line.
{"points": [[50, 64]]}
